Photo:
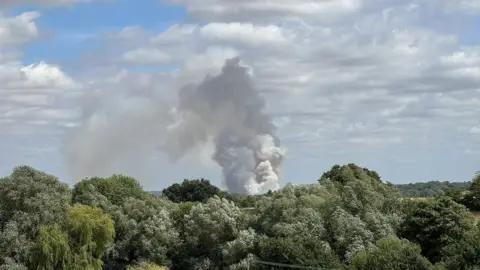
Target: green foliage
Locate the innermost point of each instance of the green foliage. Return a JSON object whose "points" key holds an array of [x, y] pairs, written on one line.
{"points": [[146, 266], [29, 199], [80, 245], [91, 232], [297, 250], [209, 226], [472, 198], [10, 264], [146, 232], [390, 253], [349, 233], [434, 224], [51, 249], [433, 189], [327, 222], [348, 220], [343, 174], [179, 212], [198, 190], [465, 253], [30, 192], [361, 189], [116, 188]]}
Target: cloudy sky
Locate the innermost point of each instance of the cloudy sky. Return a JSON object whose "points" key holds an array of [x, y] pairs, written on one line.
{"points": [[391, 85]]}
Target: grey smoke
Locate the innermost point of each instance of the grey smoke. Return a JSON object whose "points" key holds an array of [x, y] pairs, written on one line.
{"points": [[228, 109], [225, 109]]}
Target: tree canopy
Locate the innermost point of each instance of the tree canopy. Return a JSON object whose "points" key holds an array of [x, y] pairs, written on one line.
{"points": [[197, 190], [349, 219]]}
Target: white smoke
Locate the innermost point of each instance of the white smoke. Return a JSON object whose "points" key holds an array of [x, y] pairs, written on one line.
{"points": [[224, 109], [250, 165]]}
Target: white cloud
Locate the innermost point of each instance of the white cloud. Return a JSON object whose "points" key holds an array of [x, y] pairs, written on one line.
{"points": [[40, 76], [146, 56], [231, 10], [18, 30], [341, 77], [475, 130], [175, 34], [245, 33], [29, 93], [374, 63]]}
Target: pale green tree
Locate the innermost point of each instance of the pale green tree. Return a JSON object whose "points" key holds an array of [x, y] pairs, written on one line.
{"points": [[390, 253], [209, 233], [29, 199], [146, 230], [349, 233], [116, 188]]}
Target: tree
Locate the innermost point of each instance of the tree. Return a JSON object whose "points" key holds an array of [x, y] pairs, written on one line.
{"points": [[433, 189], [145, 231], [361, 189], [351, 219], [80, 245], [390, 253], [472, 198], [116, 188], [207, 231], [51, 249], [435, 224], [29, 199], [465, 253], [349, 233], [342, 174], [90, 232], [146, 266], [144, 225], [328, 222], [298, 250], [198, 190]]}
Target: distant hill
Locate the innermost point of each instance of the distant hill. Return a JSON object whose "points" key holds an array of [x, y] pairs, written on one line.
{"points": [[431, 188]]}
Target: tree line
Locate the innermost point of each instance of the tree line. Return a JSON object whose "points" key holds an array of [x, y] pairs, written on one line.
{"points": [[348, 219], [433, 188]]}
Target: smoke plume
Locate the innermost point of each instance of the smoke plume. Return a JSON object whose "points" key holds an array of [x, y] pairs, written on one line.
{"points": [[224, 109]]}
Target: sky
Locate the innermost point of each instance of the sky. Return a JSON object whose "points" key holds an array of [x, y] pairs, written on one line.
{"points": [[387, 84]]}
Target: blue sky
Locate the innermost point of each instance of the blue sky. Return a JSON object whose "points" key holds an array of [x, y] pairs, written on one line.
{"points": [[391, 85], [73, 29]]}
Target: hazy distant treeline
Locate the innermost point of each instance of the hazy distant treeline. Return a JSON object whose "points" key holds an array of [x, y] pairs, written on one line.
{"points": [[432, 188]]}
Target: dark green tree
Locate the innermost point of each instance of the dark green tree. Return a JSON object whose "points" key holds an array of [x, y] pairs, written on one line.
{"points": [[197, 190], [341, 174], [435, 224], [472, 198], [465, 253]]}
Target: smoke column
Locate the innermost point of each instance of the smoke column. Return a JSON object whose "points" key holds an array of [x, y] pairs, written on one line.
{"points": [[225, 109], [228, 109]]}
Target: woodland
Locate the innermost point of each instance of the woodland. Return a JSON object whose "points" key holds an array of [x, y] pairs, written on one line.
{"points": [[347, 219]]}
